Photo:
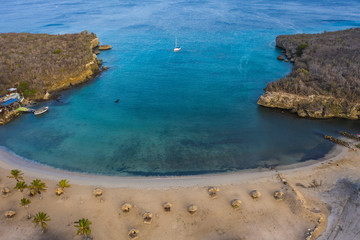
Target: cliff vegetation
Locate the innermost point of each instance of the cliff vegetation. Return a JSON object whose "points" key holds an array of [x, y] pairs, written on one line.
{"points": [[37, 63], [325, 79]]}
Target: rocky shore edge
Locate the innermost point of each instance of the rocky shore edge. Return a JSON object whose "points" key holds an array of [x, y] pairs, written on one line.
{"points": [[324, 80], [89, 71]]}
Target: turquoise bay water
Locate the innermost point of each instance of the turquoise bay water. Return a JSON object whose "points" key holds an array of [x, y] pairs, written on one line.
{"points": [[181, 113]]}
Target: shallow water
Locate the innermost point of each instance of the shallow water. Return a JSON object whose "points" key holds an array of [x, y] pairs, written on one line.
{"points": [[181, 113]]}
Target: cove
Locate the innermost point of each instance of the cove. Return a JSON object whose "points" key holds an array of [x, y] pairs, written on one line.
{"points": [[190, 112]]}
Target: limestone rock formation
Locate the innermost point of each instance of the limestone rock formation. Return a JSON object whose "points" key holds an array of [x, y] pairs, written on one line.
{"points": [[62, 61], [280, 57], [94, 43], [47, 96], [314, 106], [105, 47], [325, 79]]}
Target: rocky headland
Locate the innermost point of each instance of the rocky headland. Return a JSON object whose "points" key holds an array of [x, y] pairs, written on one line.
{"points": [[325, 79], [39, 65]]}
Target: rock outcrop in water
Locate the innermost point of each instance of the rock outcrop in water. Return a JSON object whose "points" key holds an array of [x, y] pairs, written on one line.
{"points": [[325, 79]]}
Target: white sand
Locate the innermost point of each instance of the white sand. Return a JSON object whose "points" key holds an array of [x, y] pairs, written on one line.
{"points": [[9, 160], [264, 218]]}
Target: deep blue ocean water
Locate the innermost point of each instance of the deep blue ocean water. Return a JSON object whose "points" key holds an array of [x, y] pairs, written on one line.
{"points": [[181, 113]]}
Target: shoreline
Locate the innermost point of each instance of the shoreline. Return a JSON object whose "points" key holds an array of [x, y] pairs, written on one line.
{"points": [[313, 202], [10, 160]]}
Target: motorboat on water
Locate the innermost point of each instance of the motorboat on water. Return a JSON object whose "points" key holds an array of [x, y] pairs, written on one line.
{"points": [[41, 110]]}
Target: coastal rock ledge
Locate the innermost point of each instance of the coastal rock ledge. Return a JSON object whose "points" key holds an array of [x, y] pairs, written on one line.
{"points": [[325, 79], [311, 106], [38, 66]]}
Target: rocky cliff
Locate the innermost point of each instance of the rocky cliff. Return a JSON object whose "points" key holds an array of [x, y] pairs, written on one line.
{"points": [[325, 79], [41, 63]]}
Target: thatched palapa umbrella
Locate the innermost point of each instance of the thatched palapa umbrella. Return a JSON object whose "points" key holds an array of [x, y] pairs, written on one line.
{"points": [[192, 209], [59, 191], [235, 203], [5, 191], [279, 195], [167, 206], [147, 217], [255, 194], [213, 191], [133, 233], [126, 207], [98, 192], [10, 213]]}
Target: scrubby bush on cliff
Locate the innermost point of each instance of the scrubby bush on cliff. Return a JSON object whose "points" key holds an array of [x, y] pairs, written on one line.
{"points": [[42, 59], [300, 49], [330, 65], [23, 88]]}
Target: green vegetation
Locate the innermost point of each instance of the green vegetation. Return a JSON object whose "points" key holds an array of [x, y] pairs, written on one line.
{"points": [[83, 227], [57, 51], [21, 186], [303, 71], [24, 202], [16, 174], [37, 186], [63, 183], [25, 90], [328, 67], [33, 62], [300, 49], [41, 218]]}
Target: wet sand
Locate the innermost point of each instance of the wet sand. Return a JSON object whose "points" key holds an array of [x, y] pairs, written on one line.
{"points": [[303, 207]]}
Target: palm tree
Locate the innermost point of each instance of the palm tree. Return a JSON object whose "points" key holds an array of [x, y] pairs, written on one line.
{"points": [[24, 202], [41, 218], [16, 174], [83, 227], [63, 183], [37, 186], [21, 186]]}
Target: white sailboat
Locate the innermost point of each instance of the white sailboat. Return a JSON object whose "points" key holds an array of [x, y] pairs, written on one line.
{"points": [[176, 49]]}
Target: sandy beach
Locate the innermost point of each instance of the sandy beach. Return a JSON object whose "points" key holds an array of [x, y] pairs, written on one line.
{"points": [[321, 209]]}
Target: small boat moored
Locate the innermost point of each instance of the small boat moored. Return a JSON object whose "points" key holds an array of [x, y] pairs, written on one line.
{"points": [[41, 110], [176, 49]]}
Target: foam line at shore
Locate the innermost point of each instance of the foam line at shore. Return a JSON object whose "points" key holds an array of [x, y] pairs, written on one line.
{"points": [[9, 160]]}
